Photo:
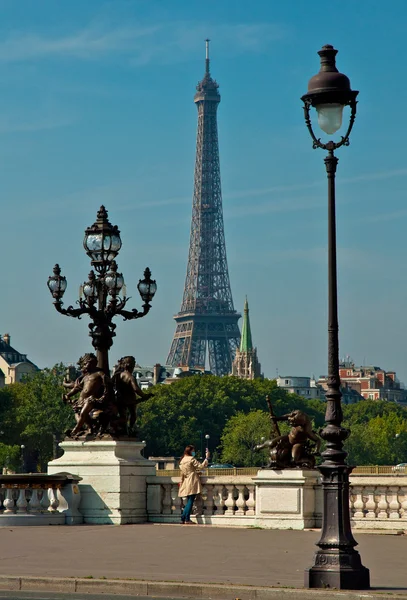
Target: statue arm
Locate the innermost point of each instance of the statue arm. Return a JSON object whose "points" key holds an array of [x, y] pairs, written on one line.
{"points": [[138, 391], [282, 418], [315, 438], [75, 389]]}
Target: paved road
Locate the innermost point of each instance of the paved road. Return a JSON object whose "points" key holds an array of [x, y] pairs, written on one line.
{"points": [[190, 554]]}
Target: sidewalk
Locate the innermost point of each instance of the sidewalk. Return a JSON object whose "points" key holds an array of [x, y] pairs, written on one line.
{"points": [[188, 554]]}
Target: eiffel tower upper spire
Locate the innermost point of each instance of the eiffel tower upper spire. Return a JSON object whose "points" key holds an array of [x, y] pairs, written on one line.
{"points": [[207, 321], [207, 88]]}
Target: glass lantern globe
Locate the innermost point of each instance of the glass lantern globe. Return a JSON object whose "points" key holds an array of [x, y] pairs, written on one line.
{"points": [[330, 117], [90, 288], [102, 241], [147, 287], [57, 283], [114, 281]]}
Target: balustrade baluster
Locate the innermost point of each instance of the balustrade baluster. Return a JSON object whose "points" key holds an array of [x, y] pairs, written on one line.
{"points": [[53, 500], [22, 501], [358, 505], [44, 502], [382, 505], [371, 503], [34, 505], [197, 508], [352, 500], [167, 499], [2, 497], [250, 502], [176, 500], [218, 500], [394, 504], [9, 502], [240, 500], [230, 500], [403, 502], [209, 508]]}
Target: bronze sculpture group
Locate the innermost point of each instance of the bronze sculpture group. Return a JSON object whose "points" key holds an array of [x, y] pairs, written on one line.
{"points": [[105, 406], [298, 448]]}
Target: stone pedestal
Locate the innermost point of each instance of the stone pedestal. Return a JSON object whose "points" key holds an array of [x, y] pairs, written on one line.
{"points": [[113, 486], [286, 499]]}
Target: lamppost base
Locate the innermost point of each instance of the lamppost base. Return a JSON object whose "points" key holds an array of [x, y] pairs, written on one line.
{"points": [[337, 570]]}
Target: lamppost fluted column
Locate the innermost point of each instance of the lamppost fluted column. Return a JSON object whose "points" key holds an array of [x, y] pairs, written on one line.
{"points": [[333, 394], [336, 563]]}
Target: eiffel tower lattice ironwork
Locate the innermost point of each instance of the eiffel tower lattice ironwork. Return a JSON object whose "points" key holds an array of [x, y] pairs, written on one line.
{"points": [[207, 321]]}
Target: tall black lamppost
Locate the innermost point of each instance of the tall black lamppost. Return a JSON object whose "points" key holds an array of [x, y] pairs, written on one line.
{"points": [[337, 563], [100, 295]]}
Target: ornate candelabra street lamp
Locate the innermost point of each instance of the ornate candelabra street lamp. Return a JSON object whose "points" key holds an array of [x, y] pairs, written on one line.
{"points": [[337, 563], [99, 297]]}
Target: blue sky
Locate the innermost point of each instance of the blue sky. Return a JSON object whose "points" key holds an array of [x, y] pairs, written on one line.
{"points": [[96, 107]]}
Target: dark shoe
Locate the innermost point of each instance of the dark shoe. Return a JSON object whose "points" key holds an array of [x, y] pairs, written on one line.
{"points": [[182, 522], [190, 523]]}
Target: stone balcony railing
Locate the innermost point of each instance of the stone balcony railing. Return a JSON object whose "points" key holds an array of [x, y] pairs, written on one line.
{"points": [[285, 499], [39, 499], [223, 499]]}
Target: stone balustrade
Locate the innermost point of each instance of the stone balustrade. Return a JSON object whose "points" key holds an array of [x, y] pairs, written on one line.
{"points": [[379, 502], [39, 499], [281, 500], [224, 500]]}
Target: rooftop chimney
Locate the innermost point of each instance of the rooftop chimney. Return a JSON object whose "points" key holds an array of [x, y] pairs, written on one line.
{"points": [[6, 338]]}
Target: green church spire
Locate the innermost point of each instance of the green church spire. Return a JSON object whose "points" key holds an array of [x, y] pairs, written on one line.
{"points": [[246, 344]]}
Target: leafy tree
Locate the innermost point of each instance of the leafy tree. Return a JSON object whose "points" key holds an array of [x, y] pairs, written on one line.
{"points": [[240, 434], [10, 457], [180, 413], [40, 414], [381, 440]]}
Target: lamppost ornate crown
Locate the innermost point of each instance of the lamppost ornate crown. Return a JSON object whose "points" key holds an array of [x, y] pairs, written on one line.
{"points": [[102, 241], [329, 92]]}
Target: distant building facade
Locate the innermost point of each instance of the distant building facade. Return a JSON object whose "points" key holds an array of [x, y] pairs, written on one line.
{"points": [[146, 377], [246, 364], [349, 395], [13, 364], [302, 386], [372, 383]]}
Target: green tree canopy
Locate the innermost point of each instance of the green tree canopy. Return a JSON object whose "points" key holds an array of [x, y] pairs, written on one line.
{"points": [[240, 434], [39, 412], [178, 414]]}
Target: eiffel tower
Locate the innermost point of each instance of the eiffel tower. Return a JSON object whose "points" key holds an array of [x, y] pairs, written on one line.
{"points": [[207, 322]]}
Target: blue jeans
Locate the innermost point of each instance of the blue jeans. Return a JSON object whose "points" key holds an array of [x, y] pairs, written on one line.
{"points": [[186, 513]]}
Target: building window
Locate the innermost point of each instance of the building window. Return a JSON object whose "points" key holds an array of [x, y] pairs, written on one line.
{"points": [[287, 381]]}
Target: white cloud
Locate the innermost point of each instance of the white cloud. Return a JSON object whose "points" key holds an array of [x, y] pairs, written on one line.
{"points": [[11, 125], [142, 43]]}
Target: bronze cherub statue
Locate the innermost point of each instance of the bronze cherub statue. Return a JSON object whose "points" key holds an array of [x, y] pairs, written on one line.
{"points": [[93, 387], [128, 394], [298, 448]]}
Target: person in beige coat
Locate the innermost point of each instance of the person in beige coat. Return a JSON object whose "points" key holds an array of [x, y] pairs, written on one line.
{"points": [[190, 484]]}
